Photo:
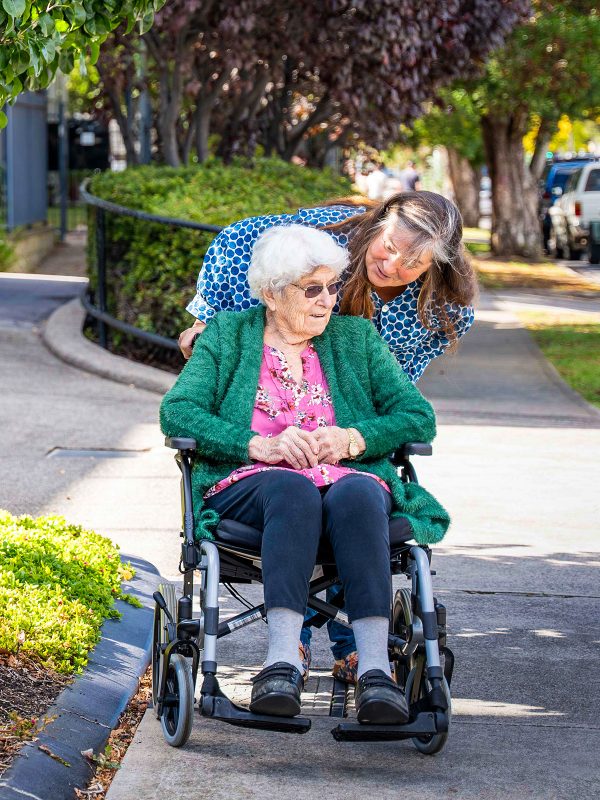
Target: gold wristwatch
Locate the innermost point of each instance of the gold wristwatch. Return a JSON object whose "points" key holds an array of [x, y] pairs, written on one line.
{"points": [[353, 448]]}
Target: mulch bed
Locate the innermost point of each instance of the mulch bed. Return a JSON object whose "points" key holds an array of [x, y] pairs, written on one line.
{"points": [[27, 690]]}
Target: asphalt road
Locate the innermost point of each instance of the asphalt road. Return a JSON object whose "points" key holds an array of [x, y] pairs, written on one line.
{"points": [[27, 300]]}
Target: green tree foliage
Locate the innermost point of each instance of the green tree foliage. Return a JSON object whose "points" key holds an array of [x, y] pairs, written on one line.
{"points": [[550, 66], [37, 37], [452, 121]]}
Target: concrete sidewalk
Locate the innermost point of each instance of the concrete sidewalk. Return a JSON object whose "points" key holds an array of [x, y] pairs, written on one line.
{"points": [[515, 462]]}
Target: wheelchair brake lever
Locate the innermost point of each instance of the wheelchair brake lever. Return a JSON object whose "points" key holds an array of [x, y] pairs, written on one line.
{"points": [[162, 604]]}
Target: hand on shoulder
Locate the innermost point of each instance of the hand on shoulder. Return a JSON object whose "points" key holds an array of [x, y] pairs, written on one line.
{"points": [[188, 337]]}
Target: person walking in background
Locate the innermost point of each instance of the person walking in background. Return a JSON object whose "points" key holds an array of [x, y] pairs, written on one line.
{"points": [[376, 181], [410, 178]]}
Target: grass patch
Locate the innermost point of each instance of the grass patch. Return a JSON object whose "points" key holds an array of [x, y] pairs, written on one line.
{"points": [[544, 275], [58, 583], [76, 215], [571, 342], [476, 233], [477, 248]]}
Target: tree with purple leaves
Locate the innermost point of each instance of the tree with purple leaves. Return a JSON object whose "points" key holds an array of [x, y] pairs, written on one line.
{"points": [[310, 76]]}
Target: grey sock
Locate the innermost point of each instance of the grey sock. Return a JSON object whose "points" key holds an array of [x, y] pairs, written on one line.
{"points": [[371, 635], [284, 635]]}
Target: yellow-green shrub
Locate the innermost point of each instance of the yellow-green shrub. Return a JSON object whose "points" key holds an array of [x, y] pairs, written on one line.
{"points": [[58, 583]]}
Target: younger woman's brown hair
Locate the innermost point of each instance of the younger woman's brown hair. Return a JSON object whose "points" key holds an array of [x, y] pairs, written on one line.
{"points": [[435, 226]]}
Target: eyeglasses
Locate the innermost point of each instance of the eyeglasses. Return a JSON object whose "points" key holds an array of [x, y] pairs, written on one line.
{"points": [[311, 292]]}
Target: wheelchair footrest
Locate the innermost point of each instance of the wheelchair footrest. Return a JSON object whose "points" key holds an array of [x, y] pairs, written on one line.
{"points": [[223, 709], [427, 723]]}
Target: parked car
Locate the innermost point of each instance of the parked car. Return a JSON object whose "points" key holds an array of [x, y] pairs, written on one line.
{"points": [[575, 209], [552, 185]]}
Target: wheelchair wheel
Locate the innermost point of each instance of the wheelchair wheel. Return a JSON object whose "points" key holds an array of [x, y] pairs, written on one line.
{"points": [[434, 743], [160, 637], [178, 710], [402, 619]]}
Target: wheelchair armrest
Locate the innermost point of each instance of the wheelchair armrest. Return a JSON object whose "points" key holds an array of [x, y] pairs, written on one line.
{"points": [[401, 456], [180, 443]]}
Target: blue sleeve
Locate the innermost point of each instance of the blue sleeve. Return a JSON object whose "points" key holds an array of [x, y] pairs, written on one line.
{"points": [[415, 362], [223, 280]]}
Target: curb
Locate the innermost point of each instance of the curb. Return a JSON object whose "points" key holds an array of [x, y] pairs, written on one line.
{"points": [[62, 336], [87, 711]]}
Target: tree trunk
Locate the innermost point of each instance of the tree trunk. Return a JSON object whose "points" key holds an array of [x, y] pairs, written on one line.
{"points": [[515, 224], [190, 134], [542, 142], [244, 111], [202, 115], [295, 135], [170, 148], [168, 114], [205, 103], [465, 184], [124, 123]]}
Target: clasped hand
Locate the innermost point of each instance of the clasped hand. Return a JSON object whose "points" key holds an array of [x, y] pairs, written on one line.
{"points": [[301, 449]]}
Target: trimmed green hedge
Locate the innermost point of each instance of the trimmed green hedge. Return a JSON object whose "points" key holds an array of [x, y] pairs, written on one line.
{"points": [[152, 268], [58, 583]]}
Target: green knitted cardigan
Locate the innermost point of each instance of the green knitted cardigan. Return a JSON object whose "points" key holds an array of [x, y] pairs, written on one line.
{"points": [[213, 402]]}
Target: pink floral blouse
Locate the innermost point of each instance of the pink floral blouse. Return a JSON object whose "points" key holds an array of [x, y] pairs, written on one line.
{"points": [[281, 402]]}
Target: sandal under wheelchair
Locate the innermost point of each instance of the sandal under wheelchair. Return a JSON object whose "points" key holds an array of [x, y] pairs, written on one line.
{"points": [[185, 641]]}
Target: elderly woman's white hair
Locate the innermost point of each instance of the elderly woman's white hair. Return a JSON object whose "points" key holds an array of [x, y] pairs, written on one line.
{"points": [[286, 253]]}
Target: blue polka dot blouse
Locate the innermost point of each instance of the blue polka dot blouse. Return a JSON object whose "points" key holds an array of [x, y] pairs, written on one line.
{"points": [[222, 285]]}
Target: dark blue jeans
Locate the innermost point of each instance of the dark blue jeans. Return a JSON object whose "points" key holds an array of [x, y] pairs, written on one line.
{"points": [[353, 514]]}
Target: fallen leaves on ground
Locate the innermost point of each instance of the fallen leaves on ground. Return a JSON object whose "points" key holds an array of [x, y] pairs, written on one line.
{"points": [[548, 275], [108, 762], [45, 749]]}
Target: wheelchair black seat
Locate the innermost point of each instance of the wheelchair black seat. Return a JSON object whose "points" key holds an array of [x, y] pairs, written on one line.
{"points": [[236, 534]]}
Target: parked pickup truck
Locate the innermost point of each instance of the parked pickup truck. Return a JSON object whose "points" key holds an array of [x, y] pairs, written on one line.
{"points": [[571, 214]]}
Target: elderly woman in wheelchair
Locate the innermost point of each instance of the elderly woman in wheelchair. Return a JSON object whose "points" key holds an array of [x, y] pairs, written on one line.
{"points": [[294, 413]]}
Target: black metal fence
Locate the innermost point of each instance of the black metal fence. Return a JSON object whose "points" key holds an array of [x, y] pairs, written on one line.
{"points": [[98, 307]]}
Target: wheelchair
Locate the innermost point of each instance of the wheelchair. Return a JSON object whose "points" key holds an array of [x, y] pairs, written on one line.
{"points": [[185, 641]]}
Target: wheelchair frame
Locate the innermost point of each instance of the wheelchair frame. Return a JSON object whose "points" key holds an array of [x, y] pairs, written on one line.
{"points": [[183, 645]]}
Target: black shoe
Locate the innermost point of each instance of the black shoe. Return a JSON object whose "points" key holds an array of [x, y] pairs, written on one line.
{"points": [[379, 700], [276, 690]]}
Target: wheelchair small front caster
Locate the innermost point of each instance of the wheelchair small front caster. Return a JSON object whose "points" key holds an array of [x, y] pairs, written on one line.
{"points": [[430, 744]]}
